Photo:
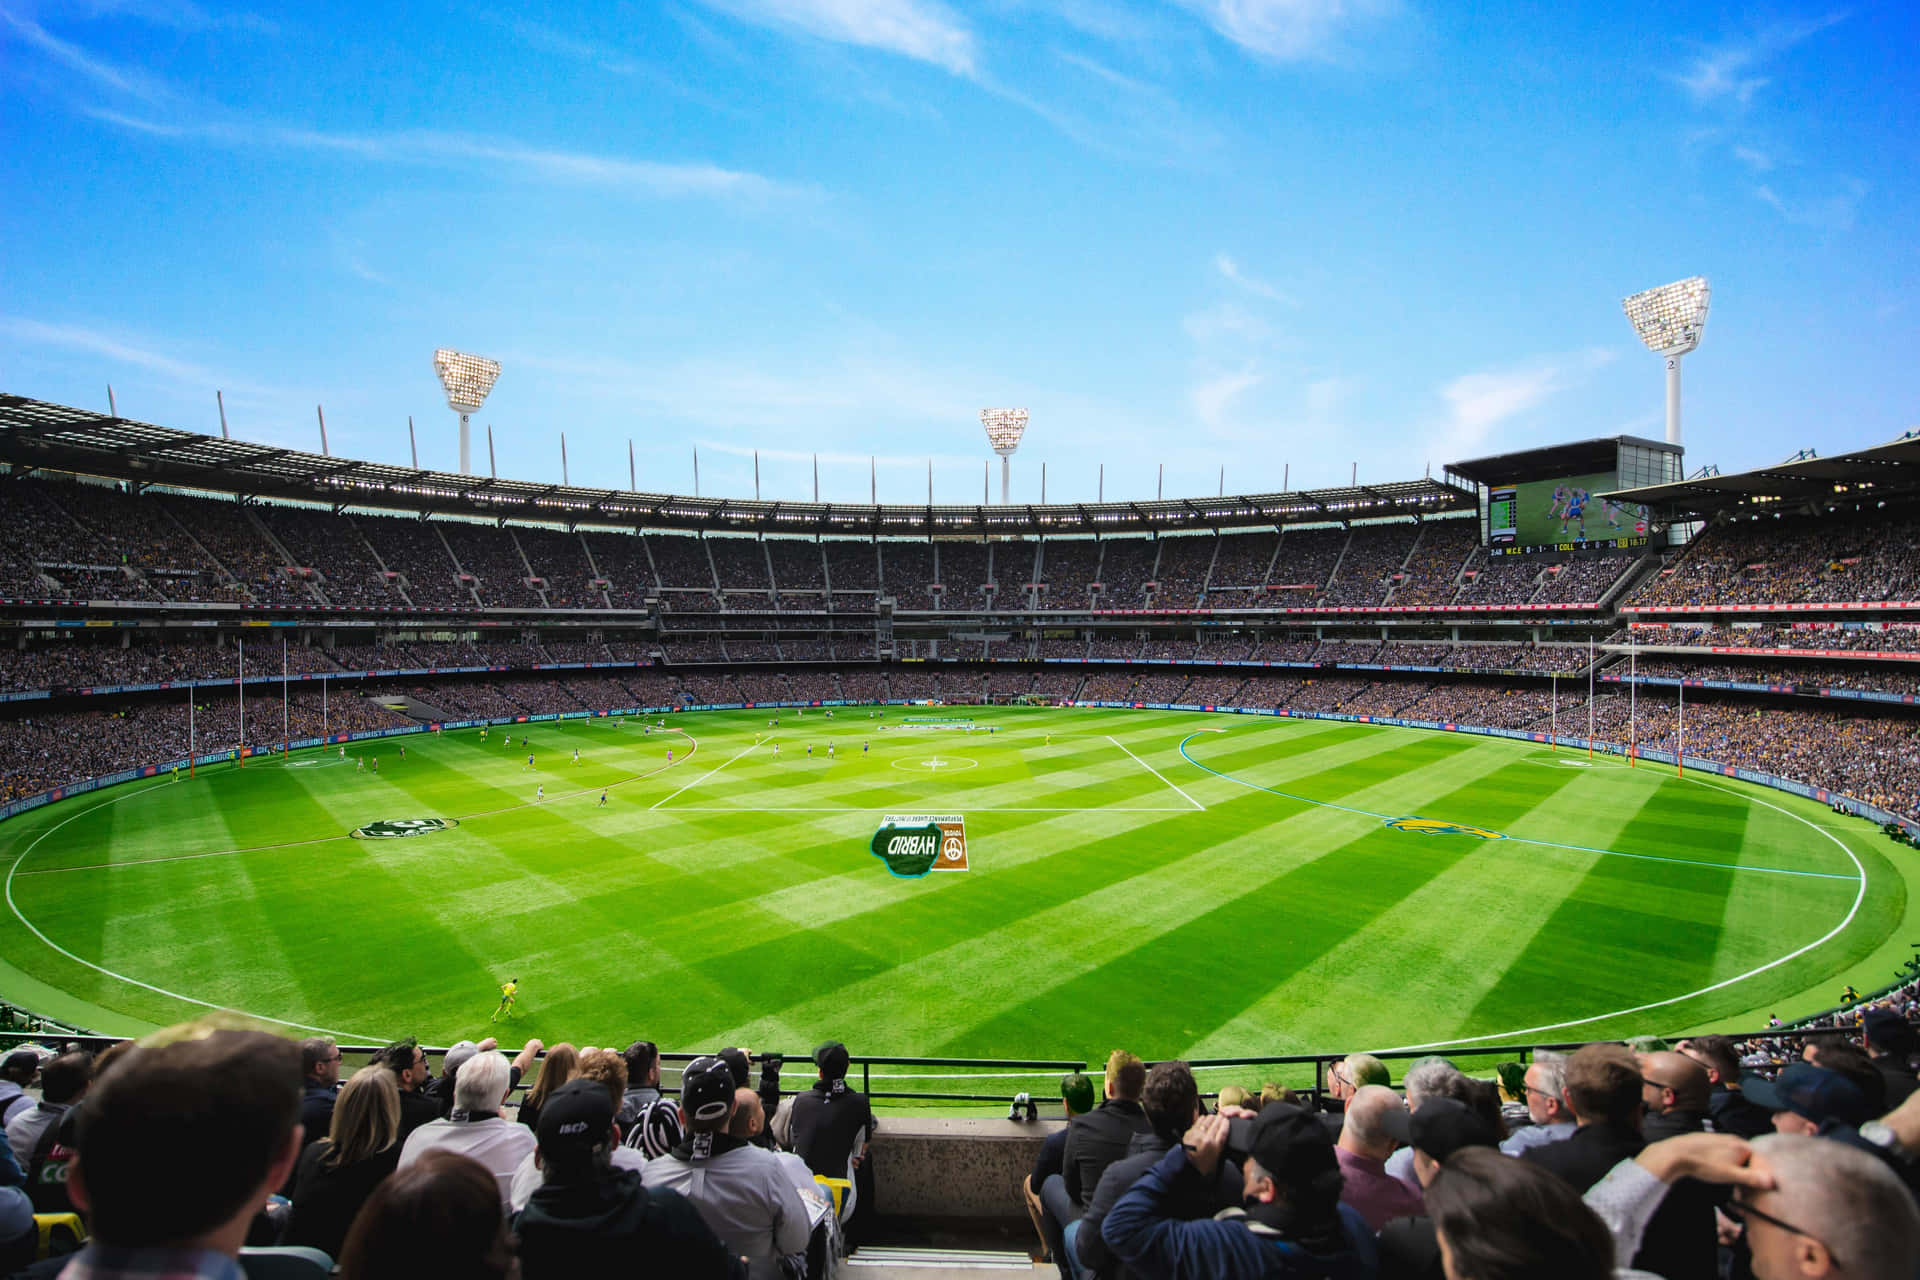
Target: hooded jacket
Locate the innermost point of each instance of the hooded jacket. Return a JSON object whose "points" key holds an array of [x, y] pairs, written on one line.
{"points": [[613, 1225]]}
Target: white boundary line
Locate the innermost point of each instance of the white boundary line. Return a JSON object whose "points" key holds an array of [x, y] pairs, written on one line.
{"points": [[1155, 772], [121, 977], [740, 808], [1859, 896], [703, 777]]}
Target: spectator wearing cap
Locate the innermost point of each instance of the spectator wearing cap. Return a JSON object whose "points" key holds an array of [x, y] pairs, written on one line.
{"points": [[1545, 1089], [1290, 1223], [320, 1068], [650, 1120], [182, 1144], [1727, 1105], [477, 1129], [740, 1062], [590, 1217], [1605, 1090], [1892, 1043], [1851, 1061], [1172, 1103], [1409, 1249], [1076, 1097], [1362, 1150], [337, 1172], [1809, 1100], [16, 1073], [740, 1189], [607, 1069], [830, 1127], [63, 1082]]}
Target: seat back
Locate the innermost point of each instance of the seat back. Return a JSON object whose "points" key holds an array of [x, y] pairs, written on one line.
{"points": [[285, 1262], [60, 1233]]}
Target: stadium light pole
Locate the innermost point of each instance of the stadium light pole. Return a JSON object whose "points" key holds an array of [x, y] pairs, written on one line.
{"points": [[467, 380], [1004, 429], [1669, 320]]}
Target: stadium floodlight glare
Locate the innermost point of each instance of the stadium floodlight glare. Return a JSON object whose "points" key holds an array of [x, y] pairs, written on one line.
{"points": [[1670, 320], [467, 379], [1004, 429]]}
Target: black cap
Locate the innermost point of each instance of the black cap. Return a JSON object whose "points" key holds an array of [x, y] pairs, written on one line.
{"points": [[20, 1059], [577, 1118], [736, 1060], [1889, 1032], [831, 1058], [1440, 1127], [1290, 1142], [1811, 1092], [706, 1089]]}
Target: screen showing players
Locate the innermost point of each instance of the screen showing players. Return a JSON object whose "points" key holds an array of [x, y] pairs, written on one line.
{"points": [[1561, 515]]}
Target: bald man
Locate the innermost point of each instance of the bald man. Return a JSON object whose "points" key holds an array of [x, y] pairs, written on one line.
{"points": [[1677, 1091], [1363, 1149]]}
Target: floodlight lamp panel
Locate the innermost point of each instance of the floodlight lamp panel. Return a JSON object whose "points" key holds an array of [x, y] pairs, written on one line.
{"points": [[467, 379], [1670, 319], [1004, 428]]}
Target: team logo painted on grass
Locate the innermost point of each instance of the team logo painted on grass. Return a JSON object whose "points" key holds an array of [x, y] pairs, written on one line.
{"points": [[913, 844], [1435, 827], [395, 828]]}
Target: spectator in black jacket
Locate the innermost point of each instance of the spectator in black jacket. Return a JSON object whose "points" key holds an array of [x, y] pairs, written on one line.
{"points": [[589, 1218], [1728, 1106], [1892, 1043], [320, 1064], [1076, 1096], [1171, 1100], [339, 1171], [1094, 1141], [1604, 1088]]}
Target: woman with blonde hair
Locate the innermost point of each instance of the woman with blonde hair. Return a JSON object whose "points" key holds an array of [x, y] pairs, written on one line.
{"points": [[337, 1174], [561, 1064]]}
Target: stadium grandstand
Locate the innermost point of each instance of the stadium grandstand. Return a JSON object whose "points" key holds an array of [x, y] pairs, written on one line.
{"points": [[180, 600]]}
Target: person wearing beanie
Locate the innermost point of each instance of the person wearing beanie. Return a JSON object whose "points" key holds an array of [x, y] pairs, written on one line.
{"points": [[830, 1127]]}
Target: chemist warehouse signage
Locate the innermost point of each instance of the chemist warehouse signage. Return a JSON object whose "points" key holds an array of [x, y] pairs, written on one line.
{"points": [[913, 844]]}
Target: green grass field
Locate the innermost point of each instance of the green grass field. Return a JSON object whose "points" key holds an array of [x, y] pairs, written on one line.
{"points": [[1181, 884]]}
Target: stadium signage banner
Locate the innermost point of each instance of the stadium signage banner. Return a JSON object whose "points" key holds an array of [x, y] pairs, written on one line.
{"points": [[911, 845]]}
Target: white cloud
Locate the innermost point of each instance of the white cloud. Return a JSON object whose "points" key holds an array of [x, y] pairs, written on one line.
{"points": [[1836, 210], [178, 15], [1227, 267], [1212, 399], [1478, 403], [1754, 158], [917, 29], [1729, 73], [1290, 30], [116, 79], [498, 155]]}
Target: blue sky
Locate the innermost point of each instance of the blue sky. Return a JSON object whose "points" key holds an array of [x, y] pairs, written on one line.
{"points": [[1253, 234]]}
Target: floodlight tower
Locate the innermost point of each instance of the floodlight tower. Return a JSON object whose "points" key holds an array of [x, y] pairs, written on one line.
{"points": [[1669, 320], [467, 380], [1004, 429]]}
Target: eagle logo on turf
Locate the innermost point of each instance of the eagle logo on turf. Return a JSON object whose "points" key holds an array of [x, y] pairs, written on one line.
{"points": [[1435, 827]]}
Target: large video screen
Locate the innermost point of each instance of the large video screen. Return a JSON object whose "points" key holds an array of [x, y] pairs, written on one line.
{"points": [[1562, 515]]}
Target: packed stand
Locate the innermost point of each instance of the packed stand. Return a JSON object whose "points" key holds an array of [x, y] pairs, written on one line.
{"points": [[680, 561], [909, 574], [1069, 573], [333, 545], [1433, 571], [1240, 571], [1182, 574], [414, 549], [1125, 572], [852, 566], [1853, 676], [229, 534], [1500, 580], [1793, 559], [1584, 581], [1374, 552], [491, 555]]}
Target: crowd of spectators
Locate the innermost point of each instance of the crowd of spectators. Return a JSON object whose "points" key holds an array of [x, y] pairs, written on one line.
{"points": [[1793, 559], [333, 547], [1874, 677], [1583, 581], [1182, 572], [1499, 580], [492, 557], [1069, 570], [1432, 572], [1373, 553], [1125, 570], [1875, 638]]}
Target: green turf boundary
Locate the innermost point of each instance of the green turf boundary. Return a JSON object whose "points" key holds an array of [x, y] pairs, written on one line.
{"points": [[1865, 954]]}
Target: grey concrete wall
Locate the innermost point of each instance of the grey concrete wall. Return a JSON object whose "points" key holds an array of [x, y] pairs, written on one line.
{"points": [[954, 1168]]}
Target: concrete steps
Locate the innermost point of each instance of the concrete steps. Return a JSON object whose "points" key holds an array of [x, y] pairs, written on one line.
{"points": [[881, 1262]]}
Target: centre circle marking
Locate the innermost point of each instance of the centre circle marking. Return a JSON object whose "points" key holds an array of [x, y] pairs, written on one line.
{"points": [[935, 765]]}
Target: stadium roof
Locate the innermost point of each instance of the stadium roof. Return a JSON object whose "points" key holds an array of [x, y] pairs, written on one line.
{"points": [[36, 434], [1579, 457], [1891, 469]]}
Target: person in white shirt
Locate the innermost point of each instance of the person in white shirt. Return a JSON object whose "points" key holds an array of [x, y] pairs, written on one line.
{"points": [[476, 1128]]}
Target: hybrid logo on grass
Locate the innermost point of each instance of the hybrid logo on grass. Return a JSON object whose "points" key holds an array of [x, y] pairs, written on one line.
{"points": [[913, 844], [1435, 827], [395, 828]]}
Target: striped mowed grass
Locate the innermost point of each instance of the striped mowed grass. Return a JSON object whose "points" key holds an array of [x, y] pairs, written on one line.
{"points": [[1182, 884]]}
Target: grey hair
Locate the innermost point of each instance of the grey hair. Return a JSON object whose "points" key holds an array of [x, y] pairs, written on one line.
{"points": [[481, 1084], [1428, 1079], [1849, 1201], [1553, 1072]]}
